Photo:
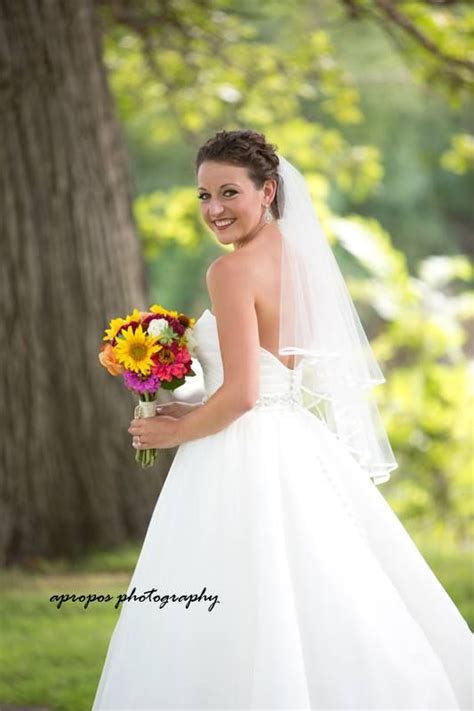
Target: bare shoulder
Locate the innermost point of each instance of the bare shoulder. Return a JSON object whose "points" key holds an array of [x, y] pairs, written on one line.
{"points": [[232, 268]]}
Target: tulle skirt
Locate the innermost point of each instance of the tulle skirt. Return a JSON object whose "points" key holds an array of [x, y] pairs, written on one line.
{"points": [[274, 575]]}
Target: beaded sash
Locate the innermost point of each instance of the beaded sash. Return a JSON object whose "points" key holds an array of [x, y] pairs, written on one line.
{"points": [[275, 400]]}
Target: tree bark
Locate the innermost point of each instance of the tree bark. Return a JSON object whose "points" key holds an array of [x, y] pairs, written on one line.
{"points": [[70, 262]]}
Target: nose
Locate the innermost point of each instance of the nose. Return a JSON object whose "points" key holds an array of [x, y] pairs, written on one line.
{"points": [[214, 209]]}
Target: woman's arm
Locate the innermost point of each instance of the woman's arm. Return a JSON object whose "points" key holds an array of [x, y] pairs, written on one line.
{"points": [[229, 285], [234, 308], [177, 408]]}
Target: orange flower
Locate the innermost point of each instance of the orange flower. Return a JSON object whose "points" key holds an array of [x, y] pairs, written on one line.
{"points": [[109, 361]]}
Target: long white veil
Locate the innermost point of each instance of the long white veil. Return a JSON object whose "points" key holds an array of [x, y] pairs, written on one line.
{"points": [[320, 326]]}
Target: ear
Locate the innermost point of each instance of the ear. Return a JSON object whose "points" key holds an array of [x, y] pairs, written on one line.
{"points": [[269, 190]]}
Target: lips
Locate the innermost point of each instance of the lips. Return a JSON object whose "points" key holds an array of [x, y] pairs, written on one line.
{"points": [[225, 226]]}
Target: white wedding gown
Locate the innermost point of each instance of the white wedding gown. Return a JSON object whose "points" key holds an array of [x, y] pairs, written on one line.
{"points": [[324, 601]]}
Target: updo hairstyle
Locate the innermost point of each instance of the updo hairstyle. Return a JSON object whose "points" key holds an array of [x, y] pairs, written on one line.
{"points": [[248, 149]]}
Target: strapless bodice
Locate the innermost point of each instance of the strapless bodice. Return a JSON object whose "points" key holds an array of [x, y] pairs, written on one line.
{"points": [[279, 386]]}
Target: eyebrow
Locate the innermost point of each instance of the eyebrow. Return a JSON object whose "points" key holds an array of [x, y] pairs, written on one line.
{"points": [[222, 186]]}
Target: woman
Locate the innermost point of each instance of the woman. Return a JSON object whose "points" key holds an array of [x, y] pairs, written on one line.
{"points": [[273, 574]]}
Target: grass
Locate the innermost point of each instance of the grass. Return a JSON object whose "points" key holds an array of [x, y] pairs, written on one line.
{"points": [[53, 657]]}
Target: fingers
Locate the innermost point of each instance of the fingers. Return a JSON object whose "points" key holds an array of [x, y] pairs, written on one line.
{"points": [[139, 438], [136, 427], [166, 409], [138, 432]]}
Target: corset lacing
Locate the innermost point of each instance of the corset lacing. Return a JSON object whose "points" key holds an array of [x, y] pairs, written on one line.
{"points": [[280, 387], [282, 392]]}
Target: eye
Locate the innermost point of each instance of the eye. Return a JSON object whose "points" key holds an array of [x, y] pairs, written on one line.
{"points": [[229, 190]]}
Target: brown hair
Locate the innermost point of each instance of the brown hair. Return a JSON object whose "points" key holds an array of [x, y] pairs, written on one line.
{"points": [[248, 149]]}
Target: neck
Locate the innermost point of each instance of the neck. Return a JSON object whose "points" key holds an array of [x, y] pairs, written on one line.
{"points": [[262, 231]]}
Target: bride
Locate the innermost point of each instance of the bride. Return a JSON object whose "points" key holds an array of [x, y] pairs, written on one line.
{"points": [[273, 574]]}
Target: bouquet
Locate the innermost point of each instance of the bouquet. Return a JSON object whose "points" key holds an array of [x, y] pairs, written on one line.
{"points": [[150, 350]]}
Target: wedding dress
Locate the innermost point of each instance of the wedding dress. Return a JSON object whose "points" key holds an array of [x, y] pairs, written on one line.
{"points": [[309, 592]]}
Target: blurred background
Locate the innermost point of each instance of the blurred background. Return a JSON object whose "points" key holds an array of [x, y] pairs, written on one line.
{"points": [[104, 106]]}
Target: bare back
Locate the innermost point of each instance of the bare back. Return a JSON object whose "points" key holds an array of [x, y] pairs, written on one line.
{"points": [[262, 263]]}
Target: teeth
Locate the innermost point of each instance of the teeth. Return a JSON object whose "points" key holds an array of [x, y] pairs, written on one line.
{"points": [[223, 223]]}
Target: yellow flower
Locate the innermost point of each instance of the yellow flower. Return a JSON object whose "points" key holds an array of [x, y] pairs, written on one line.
{"points": [[135, 316], [117, 323], [134, 350], [115, 326], [158, 309]]}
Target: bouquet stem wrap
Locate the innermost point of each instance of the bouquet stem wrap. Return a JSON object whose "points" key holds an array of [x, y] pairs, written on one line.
{"points": [[145, 408]]}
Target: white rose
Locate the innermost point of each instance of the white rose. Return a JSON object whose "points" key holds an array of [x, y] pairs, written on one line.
{"points": [[157, 326], [190, 340]]}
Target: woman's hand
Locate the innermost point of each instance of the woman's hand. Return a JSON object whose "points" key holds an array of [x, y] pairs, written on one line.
{"points": [[159, 432]]}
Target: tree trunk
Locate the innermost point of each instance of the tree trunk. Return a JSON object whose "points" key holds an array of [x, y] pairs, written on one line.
{"points": [[70, 262]]}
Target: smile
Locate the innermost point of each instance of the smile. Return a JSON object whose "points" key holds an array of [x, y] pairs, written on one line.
{"points": [[223, 224]]}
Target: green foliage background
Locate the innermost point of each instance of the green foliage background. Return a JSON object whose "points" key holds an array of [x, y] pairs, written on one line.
{"points": [[382, 136], [379, 123]]}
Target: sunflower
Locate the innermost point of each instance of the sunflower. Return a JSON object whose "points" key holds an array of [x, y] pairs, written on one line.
{"points": [[115, 326], [117, 323], [158, 309], [134, 317], [135, 348]]}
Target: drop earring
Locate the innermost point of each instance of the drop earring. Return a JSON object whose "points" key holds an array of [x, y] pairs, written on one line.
{"points": [[268, 217]]}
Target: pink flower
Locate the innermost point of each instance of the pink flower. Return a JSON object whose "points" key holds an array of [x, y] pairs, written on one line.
{"points": [[171, 362], [140, 384]]}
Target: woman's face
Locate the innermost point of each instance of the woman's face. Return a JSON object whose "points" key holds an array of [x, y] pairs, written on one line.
{"points": [[227, 193]]}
